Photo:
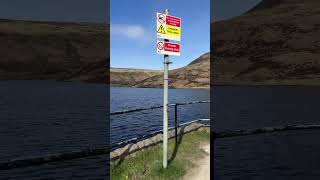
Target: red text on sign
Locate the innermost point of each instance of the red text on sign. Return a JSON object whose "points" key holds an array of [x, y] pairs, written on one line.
{"points": [[173, 21], [171, 47]]}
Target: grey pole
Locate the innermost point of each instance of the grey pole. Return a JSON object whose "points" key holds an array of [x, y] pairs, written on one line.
{"points": [[165, 106]]}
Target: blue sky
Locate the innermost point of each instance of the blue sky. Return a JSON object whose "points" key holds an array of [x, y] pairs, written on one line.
{"points": [[133, 32]]}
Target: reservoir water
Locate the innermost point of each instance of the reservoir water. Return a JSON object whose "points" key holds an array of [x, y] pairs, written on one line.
{"points": [[41, 117], [126, 126], [280, 155]]}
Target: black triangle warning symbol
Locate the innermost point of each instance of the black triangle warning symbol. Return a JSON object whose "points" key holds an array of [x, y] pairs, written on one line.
{"points": [[161, 30]]}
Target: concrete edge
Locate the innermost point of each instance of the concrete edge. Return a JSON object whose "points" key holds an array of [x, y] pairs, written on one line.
{"points": [[131, 149]]}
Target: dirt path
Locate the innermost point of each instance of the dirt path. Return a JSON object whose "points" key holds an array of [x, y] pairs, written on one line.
{"points": [[202, 172]]}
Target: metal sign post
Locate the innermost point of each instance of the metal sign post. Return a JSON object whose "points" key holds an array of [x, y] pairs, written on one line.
{"points": [[168, 27], [165, 106]]}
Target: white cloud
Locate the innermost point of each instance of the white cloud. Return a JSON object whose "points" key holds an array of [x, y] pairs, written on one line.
{"points": [[130, 31]]}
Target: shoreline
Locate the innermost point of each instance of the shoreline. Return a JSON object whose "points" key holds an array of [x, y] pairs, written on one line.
{"points": [[157, 87], [267, 85], [204, 88], [143, 159]]}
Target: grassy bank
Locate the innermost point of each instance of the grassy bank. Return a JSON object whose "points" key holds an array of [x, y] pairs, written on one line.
{"points": [[148, 164]]}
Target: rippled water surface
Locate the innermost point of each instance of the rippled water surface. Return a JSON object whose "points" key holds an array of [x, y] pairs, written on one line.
{"points": [[280, 155], [40, 117], [136, 124]]}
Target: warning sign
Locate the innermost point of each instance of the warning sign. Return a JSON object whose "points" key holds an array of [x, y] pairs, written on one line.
{"points": [[168, 27], [167, 48], [161, 30], [161, 18]]}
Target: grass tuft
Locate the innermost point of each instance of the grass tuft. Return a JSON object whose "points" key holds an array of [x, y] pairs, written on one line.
{"points": [[147, 164]]}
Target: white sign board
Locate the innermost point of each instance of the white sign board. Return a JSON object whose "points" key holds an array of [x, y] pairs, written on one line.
{"points": [[167, 48], [168, 27]]}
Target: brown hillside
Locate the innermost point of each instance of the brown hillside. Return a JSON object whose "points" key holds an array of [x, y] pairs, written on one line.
{"points": [[130, 77], [194, 75], [49, 50], [276, 43]]}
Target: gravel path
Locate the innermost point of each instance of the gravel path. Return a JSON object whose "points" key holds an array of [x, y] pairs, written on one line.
{"points": [[202, 172]]}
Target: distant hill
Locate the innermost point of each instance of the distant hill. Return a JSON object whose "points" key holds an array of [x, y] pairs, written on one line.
{"points": [[53, 50], [275, 43], [194, 75], [130, 77], [78, 52]]}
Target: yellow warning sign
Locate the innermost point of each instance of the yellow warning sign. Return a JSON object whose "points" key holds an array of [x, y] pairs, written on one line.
{"points": [[173, 30], [161, 30]]}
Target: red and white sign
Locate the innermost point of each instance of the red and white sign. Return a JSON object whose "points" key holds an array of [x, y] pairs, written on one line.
{"points": [[167, 48], [161, 18], [168, 27], [173, 21]]}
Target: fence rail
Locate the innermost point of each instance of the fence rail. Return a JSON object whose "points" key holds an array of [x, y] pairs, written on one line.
{"points": [[94, 151], [156, 107], [48, 158], [264, 130], [134, 140], [175, 105]]}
